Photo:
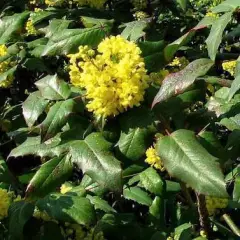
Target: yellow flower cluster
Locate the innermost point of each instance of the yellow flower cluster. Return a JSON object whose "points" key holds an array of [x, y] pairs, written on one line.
{"points": [[229, 66], [4, 66], [153, 159], [139, 4], [54, 3], [213, 203], [211, 14], [92, 3], [41, 215], [65, 188], [31, 30], [140, 15], [180, 62], [158, 77], [5, 201], [115, 78]]}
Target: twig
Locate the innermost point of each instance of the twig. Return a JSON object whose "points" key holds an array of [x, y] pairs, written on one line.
{"points": [[231, 224], [203, 213]]}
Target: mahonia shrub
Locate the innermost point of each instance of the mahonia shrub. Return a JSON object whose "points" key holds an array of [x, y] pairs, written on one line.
{"points": [[119, 119]]}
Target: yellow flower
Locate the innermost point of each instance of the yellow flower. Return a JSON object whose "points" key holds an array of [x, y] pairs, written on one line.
{"points": [[5, 66], [180, 62], [153, 159], [92, 3], [139, 4], [38, 10], [229, 66], [41, 215], [31, 30], [3, 50], [114, 78], [65, 188], [5, 201], [79, 232], [203, 233], [140, 15], [211, 14], [54, 3], [214, 203], [158, 77]]}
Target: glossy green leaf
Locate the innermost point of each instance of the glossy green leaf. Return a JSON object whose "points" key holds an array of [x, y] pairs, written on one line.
{"points": [[101, 204], [10, 25], [177, 83], [94, 158], [33, 107], [173, 47], [49, 176], [185, 158], [4, 172], [236, 190], [68, 208], [33, 146], [138, 195], [53, 88], [226, 6], [152, 181], [68, 40], [234, 87], [137, 132], [19, 213], [215, 37], [183, 4], [232, 123], [57, 117], [134, 30]]}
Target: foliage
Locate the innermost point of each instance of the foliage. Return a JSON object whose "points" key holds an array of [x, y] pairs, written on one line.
{"points": [[119, 119]]}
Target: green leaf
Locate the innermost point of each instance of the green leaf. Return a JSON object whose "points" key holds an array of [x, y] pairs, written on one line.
{"points": [[152, 181], [33, 146], [152, 53], [183, 4], [173, 47], [5, 176], [137, 132], [33, 107], [68, 41], [19, 213], [185, 158], [56, 26], [89, 22], [212, 144], [156, 210], [9, 73], [53, 88], [68, 208], [138, 195], [177, 83], [57, 117], [234, 87], [10, 25], [50, 175], [101, 204], [236, 190], [183, 232], [226, 6], [134, 30], [94, 157], [232, 123], [215, 37]]}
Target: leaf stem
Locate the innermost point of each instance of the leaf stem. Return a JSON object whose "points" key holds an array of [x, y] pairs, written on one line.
{"points": [[231, 224]]}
